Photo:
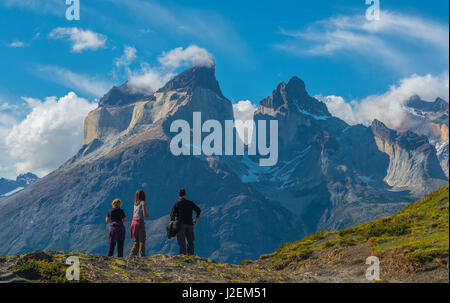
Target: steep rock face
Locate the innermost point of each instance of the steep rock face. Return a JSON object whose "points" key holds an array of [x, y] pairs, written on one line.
{"points": [[297, 113], [329, 173], [201, 93], [430, 119], [413, 163]]}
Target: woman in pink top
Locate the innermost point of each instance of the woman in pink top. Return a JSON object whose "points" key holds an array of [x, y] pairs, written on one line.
{"points": [[137, 229]]}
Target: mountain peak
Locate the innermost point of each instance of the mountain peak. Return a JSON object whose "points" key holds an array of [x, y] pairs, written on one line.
{"points": [[120, 95], [381, 130], [197, 76], [293, 97], [296, 88], [438, 105], [27, 179]]}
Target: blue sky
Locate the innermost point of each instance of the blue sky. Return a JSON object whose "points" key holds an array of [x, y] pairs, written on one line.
{"points": [[256, 45]]}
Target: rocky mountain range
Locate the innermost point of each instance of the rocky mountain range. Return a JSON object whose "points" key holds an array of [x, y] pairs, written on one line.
{"points": [[9, 187], [329, 174], [430, 119]]}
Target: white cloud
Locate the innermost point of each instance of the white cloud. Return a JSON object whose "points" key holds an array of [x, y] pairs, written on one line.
{"points": [[49, 135], [6, 106], [338, 107], [389, 107], [74, 81], [16, 44], [395, 40], [191, 55], [31, 102], [7, 121], [129, 55], [81, 39], [148, 80]]}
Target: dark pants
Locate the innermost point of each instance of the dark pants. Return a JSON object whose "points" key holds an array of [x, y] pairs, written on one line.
{"points": [[112, 246], [185, 232]]}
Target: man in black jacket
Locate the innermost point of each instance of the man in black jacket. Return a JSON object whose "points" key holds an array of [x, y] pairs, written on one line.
{"points": [[182, 213]]}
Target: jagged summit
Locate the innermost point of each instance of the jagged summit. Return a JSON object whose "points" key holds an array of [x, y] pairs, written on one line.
{"points": [[407, 139], [438, 105], [293, 97], [120, 95], [381, 130], [197, 76], [27, 178]]}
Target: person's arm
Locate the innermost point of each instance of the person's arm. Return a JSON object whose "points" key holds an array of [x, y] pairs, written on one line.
{"points": [[124, 219], [144, 210], [107, 217], [173, 212], [197, 211]]}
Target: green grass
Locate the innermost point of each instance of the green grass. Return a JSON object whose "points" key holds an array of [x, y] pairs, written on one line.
{"points": [[36, 269], [420, 230]]}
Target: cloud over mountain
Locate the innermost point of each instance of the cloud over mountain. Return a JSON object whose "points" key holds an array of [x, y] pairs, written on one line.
{"points": [[148, 79], [191, 55], [50, 134], [388, 107]]}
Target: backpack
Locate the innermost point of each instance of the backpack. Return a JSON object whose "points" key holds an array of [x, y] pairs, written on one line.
{"points": [[172, 229]]}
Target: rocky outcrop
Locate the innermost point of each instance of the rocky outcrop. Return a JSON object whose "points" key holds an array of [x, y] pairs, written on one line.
{"points": [[9, 186], [413, 162], [430, 119]]}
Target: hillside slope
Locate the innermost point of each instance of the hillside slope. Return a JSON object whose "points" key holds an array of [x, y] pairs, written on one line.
{"points": [[412, 245]]}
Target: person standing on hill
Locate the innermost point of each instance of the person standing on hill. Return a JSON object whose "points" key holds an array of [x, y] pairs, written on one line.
{"points": [[182, 213], [116, 217], [137, 229]]}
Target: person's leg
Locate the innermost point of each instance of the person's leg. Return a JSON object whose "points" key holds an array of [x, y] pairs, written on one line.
{"points": [[142, 236], [181, 237], [190, 239], [120, 249], [112, 245], [134, 249]]}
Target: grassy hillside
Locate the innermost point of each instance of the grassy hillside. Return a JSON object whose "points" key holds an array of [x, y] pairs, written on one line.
{"points": [[412, 246], [420, 231]]}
